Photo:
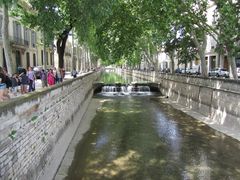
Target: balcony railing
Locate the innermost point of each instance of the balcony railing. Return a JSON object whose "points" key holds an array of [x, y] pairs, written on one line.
{"points": [[16, 40]]}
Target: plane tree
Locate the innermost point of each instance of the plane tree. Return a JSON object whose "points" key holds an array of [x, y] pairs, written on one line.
{"points": [[118, 34], [56, 19], [228, 31]]}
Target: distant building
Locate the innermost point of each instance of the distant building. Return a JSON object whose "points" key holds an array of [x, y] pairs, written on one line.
{"points": [[213, 59]]}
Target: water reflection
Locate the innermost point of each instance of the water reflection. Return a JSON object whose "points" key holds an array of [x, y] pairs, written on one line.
{"points": [[142, 138], [168, 131], [101, 141]]}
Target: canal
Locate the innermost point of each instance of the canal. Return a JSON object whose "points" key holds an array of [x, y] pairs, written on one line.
{"points": [[141, 137]]}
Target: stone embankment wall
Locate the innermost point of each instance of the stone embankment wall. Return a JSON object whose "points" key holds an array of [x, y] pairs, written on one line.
{"points": [[216, 98], [32, 124]]}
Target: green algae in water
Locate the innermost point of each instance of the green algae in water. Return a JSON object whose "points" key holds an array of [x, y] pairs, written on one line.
{"points": [[113, 78]]}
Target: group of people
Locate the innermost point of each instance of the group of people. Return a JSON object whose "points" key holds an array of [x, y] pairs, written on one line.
{"points": [[26, 80], [52, 76]]}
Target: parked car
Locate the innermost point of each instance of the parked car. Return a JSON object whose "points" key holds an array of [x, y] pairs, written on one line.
{"points": [[238, 72], [186, 71], [37, 70], [219, 72], [194, 70], [178, 70]]}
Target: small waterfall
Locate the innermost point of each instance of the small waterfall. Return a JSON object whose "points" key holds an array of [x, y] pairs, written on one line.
{"points": [[121, 90]]}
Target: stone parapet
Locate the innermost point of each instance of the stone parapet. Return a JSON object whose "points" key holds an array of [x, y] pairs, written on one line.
{"points": [[32, 124], [216, 98]]}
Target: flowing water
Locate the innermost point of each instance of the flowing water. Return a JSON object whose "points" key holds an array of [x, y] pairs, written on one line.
{"points": [[142, 138]]}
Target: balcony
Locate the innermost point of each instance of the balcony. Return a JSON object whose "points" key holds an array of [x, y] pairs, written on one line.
{"points": [[16, 41], [26, 43]]}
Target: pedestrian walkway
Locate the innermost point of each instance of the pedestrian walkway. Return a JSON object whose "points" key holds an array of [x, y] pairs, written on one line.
{"points": [[38, 84]]}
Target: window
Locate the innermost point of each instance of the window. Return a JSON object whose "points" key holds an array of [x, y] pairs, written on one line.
{"points": [[34, 60], [33, 38], [17, 32], [28, 59], [51, 59], [26, 37], [46, 55]]}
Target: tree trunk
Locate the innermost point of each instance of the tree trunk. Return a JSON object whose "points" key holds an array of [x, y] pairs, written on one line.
{"points": [[232, 66], [81, 60], [171, 55], [201, 52], [61, 44], [6, 41], [203, 63], [73, 59]]}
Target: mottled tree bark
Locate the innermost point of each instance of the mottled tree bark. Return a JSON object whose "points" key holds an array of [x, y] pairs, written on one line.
{"points": [[6, 41]]}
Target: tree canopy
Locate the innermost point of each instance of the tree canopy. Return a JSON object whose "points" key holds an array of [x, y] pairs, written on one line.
{"points": [[121, 31]]}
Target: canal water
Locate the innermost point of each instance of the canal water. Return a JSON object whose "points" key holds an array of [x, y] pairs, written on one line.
{"points": [[142, 138]]}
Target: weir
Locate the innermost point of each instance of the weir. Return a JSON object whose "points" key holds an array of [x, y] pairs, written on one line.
{"points": [[127, 89]]}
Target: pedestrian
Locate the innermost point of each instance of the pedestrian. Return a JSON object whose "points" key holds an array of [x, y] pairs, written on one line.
{"points": [[15, 81], [55, 74], [24, 81], [58, 76], [31, 77], [74, 73], [51, 78], [3, 85], [43, 76], [62, 72]]}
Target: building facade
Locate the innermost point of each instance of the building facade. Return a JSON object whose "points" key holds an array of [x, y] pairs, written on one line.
{"points": [[213, 58], [26, 47]]}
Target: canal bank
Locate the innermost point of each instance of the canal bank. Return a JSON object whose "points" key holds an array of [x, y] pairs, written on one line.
{"points": [[145, 138], [37, 128], [83, 127], [214, 101]]}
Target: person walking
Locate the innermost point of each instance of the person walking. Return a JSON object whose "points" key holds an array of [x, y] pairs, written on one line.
{"points": [[15, 81], [43, 76], [31, 77], [51, 78], [62, 72], [24, 81], [58, 76], [3, 85], [74, 73]]}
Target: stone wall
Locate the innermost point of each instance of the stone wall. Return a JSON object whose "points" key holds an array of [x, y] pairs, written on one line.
{"points": [[32, 124], [216, 98]]}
